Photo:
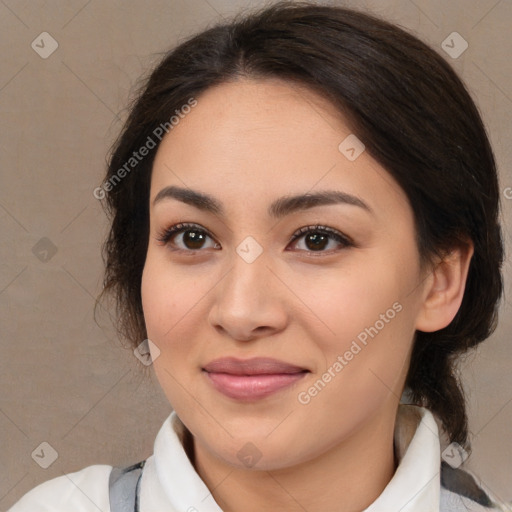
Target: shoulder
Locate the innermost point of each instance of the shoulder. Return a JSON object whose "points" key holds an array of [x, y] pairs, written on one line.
{"points": [[83, 491], [460, 491], [455, 502]]}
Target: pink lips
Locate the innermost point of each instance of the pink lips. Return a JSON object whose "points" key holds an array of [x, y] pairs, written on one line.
{"points": [[251, 379]]}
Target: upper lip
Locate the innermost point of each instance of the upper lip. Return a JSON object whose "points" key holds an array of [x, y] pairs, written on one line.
{"points": [[253, 366]]}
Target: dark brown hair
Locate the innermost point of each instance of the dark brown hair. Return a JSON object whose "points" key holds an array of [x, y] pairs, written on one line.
{"points": [[401, 99]]}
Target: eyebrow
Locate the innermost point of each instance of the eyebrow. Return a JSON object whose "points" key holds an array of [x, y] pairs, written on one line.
{"points": [[279, 208]]}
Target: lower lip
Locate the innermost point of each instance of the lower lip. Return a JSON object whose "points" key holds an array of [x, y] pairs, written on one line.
{"points": [[252, 387]]}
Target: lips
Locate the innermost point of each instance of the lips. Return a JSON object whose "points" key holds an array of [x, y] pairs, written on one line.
{"points": [[251, 379]]}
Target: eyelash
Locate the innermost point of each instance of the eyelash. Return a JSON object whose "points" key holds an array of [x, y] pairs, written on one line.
{"points": [[165, 236]]}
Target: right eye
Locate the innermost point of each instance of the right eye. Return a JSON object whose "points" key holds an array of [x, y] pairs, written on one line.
{"points": [[187, 237]]}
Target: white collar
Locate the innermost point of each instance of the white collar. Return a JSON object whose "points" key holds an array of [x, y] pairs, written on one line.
{"points": [[415, 486], [416, 483], [184, 487]]}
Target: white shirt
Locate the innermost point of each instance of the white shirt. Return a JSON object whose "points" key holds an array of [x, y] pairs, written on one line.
{"points": [[171, 484]]}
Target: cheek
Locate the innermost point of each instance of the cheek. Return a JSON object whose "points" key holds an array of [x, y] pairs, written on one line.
{"points": [[352, 302], [158, 303], [174, 307], [366, 330], [167, 296], [168, 300]]}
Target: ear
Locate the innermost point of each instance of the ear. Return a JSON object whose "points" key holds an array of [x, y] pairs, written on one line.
{"points": [[444, 289]]}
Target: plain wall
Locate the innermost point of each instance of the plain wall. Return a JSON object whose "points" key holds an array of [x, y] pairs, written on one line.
{"points": [[66, 380]]}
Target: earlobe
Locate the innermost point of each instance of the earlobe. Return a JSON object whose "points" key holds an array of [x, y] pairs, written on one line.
{"points": [[445, 289]]}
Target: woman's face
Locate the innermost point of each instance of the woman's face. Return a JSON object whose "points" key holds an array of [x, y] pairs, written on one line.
{"points": [[279, 340]]}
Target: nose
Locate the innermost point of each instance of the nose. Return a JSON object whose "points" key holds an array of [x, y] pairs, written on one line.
{"points": [[249, 302]]}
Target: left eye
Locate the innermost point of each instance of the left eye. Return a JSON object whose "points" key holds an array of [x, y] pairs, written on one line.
{"points": [[317, 238], [191, 237]]}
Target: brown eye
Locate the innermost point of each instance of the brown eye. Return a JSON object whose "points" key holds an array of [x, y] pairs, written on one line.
{"points": [[193, 239], [316, 241], [187, 237], [319, 238]]}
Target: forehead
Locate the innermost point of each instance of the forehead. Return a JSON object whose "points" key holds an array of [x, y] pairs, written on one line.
{"points": [[250, 140]]}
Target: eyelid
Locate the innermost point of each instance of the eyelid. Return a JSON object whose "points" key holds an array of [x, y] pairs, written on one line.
{"points": [[165, 235], [323, 229]]}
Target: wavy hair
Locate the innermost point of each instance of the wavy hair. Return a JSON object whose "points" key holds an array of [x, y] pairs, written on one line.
{"points": [[402, 100]]}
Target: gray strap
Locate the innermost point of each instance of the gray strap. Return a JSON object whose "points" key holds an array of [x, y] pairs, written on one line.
{"points": [[462, 483], [124, 488]]}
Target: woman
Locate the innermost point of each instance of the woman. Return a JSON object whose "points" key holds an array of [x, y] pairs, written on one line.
{"points": [[304, 210]]}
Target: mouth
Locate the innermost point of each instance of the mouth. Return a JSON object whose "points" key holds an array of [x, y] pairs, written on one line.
{"points": [[251, 379]]}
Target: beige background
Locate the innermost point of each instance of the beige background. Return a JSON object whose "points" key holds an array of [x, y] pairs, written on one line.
{"points": [[67, 381]]}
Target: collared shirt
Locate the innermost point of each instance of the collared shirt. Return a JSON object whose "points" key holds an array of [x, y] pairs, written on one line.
{"points": [[170, 482]]}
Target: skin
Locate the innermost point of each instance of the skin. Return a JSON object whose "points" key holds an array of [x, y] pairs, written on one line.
{"points": [[247, 143]]}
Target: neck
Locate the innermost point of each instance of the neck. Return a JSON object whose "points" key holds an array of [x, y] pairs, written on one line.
{"points": [[347, 478]]}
